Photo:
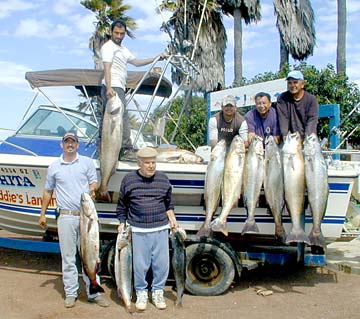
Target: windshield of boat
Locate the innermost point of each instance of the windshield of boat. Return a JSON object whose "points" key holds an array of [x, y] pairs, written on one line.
{"points": [[51, 122]]}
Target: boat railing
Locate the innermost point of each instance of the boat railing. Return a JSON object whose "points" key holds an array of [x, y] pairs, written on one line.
{"points": [[180, 62]]}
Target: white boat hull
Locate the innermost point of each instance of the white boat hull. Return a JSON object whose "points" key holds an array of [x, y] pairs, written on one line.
{"points": [[22, 180]]}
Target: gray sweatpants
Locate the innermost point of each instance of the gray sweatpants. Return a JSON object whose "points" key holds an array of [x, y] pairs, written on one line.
{"points": [[151, 250]]}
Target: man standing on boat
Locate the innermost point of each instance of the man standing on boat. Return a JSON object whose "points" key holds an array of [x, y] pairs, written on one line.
{"points": [[115, 57], [298, 110], [227, 123], [70, 176], [145, 202], [262, 121]]}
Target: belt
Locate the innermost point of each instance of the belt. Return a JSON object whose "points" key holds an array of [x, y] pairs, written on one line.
{"points": [[69, 212]]}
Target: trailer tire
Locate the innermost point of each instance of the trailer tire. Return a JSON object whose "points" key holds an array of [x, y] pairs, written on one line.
{"points": [[209, 270], [110, 262]]}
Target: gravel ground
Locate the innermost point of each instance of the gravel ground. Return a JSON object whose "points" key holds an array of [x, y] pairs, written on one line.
{"points": [[31, 288]]}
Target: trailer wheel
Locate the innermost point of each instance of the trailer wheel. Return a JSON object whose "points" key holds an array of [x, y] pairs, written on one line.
{"points": [[209, 270]]}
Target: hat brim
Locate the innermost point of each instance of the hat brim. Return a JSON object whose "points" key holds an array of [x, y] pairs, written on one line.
{"points": [[71, 138], [291, 77]]}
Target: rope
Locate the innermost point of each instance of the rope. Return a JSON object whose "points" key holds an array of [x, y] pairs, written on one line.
{"points": [[198, 31]]}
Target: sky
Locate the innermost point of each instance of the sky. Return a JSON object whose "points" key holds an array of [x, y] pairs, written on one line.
{"points": [[46, 34]]}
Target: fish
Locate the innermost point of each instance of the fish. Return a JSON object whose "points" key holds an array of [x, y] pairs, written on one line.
{"points": [[170, 155], [252, 181], [294, 186], [110, 145], [178, 261], [232, 184], [274, 184], [316, 178], [90, 241], [213, 184], [123, 267]]}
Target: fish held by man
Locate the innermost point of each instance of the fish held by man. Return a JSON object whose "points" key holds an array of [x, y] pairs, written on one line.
{"points": [[123, 267], [169, 155], [178, 261], [316, 177], [111, 141], [274, 185], [232, 184], [90, 241], [252, 182], [294, 185], [213, 185]]}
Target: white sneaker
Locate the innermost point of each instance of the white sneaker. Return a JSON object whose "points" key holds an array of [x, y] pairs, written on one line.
{"points": [[141, 300], [158, 300]]}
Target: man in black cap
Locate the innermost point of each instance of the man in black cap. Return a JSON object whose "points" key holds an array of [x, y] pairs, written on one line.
{"points": [[298, 110], [145, 202], [227, 123], [70, 176]]}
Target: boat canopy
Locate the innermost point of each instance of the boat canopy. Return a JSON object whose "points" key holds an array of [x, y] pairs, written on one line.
{"points": [[91, 80]]}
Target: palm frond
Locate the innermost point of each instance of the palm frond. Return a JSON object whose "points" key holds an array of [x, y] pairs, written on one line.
{"points": [[295, 21]]}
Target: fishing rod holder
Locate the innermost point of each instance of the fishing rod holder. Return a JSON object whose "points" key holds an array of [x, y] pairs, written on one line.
{"points": [[183, 64]]}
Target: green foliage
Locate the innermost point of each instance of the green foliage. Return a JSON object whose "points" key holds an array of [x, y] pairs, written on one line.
{"points": [[193, 122], [331, 88], [107, 11]]}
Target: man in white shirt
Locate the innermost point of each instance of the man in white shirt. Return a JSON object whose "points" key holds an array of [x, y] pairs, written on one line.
{"points": [[115, 57]]}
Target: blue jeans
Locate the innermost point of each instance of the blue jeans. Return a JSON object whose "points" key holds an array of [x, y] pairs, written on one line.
{"points": [[69, 240], [151, 250]]}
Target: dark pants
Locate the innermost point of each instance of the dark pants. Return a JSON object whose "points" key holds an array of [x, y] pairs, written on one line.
{"points": [[126, 142]]}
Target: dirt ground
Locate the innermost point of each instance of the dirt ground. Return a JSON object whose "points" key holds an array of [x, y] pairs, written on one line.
{"points": [[31, 288]]}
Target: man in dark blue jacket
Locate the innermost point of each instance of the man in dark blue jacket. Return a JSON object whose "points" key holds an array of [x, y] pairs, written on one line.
{"points": [[298, 110]]}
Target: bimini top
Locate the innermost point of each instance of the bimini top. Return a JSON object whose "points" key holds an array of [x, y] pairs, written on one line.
{"points": [[91, 79]]}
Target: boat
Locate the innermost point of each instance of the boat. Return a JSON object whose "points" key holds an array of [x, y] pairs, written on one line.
{"points": [[25, 156]]}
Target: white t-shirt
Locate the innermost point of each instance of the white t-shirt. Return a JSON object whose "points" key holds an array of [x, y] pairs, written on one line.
{"points": [[119, 56]]}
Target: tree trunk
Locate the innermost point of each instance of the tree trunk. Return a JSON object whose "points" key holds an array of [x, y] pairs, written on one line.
{"points": [[284, 55], [341, 38], [237, 48]]}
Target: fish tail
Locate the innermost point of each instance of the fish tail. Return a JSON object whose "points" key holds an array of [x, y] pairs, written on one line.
{"points": [[103, 197], [204, 231], [178, 303], [250, 227], [219, 225], [317, 239], [280, 234], [130, 308], [297, 236], [95, 288]]}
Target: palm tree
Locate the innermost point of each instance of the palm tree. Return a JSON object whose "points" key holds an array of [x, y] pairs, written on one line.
{"points": [[249, 10], [106, 12], [209, 54], [341, 38], [295, 22]]}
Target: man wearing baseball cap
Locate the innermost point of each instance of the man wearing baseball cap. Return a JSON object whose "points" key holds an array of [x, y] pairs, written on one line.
{"points": [[298, 110], [145, 203], [70, 176], [227, 123], [70, 135]]}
